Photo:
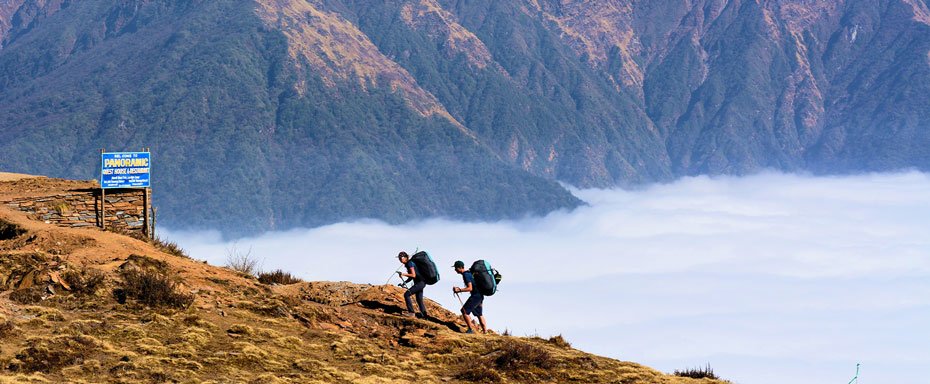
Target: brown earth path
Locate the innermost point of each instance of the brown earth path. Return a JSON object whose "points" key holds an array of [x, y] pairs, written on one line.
{"points": [[7, 176]]}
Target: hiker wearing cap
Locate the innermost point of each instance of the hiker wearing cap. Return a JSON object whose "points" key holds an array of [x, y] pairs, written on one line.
{"points": [[416, 289], [474, 304]]}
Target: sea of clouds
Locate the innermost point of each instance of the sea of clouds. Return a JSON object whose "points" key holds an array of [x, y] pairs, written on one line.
{"points": [[770, 278]]}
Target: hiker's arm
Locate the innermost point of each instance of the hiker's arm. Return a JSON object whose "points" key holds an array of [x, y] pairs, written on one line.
{"points": [[466, 289], [412, 273]]}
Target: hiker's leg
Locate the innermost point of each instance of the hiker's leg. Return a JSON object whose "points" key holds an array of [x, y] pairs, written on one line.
{"points": [[467, 319], [420, 303], [479, 312], [471, 306], [408, 300], [417, 290]]}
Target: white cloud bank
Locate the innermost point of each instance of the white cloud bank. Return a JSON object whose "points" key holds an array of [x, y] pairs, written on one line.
{"points": [[771, 278]]}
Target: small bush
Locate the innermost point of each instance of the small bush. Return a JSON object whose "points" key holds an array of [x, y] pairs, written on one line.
{"points": [[479, 371], [6, 327], [698, 373], [277, 277], [27, 296], [44, 355], [61, 207], [242, 262], [517, 355], [85, 282], [9, 230], [560, 342], [152, 288], [240, 330]]}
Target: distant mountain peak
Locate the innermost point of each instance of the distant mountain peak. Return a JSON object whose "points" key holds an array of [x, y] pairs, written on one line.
{"points": [[429, 17], [338, 51]]}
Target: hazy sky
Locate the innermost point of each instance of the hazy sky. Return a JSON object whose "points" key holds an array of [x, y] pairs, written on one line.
{"points": [[772, 278]]}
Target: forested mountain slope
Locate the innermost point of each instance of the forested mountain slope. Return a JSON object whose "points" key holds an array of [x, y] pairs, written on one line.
{"points": [[309, 112]]}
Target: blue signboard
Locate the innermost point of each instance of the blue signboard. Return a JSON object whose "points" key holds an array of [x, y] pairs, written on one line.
{"points": [[125, 169]]}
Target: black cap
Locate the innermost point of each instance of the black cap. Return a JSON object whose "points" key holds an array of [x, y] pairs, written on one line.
{"points": [[458, 264]]}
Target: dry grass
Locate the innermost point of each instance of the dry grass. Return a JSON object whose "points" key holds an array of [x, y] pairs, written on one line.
{"points": [[560, 342], [479, 371], [516, 355], [277, 277], [242, 262], [47, 354], [162, 244], [169, 247], [153, 288], [27, 296], [7, 327], [85, 282]]}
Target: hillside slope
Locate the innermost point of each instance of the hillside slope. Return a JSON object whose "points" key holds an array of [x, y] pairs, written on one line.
{"points": [[70, 312], [308, 112]]}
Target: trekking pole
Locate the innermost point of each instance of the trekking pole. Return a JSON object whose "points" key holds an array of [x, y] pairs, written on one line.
{"points": [[392, 276], [856, 379]]}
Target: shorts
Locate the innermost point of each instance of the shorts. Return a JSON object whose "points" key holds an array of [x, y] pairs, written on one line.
{"points": [[473, 305]]}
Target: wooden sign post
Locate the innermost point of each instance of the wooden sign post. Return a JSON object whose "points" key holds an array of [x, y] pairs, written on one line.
{"points": [[103, 200], [146, 230], [125, 171]]}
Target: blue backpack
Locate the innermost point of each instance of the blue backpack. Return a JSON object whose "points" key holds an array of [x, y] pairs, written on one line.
{"points": [[486, 278], [425, 267]]}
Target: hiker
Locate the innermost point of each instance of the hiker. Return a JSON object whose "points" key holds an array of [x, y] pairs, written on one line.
{"points": [[475, 302], [416, 289]]}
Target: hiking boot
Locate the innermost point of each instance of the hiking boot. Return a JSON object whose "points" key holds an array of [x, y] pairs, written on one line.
{"points": [[409, 314], [470, 332]]}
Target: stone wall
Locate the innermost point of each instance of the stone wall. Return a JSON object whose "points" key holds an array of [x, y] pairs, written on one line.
{"points": [[124, 208]]}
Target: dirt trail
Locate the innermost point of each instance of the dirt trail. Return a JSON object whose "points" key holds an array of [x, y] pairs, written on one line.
{"points": [[7, 176]]}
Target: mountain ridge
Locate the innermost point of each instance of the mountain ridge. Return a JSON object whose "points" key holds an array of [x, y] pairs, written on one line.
{"points": [[312, 112]]}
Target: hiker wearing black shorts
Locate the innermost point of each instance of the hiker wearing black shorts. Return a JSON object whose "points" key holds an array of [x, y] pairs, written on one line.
{"points": [[475, 303], [416, 289]]}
